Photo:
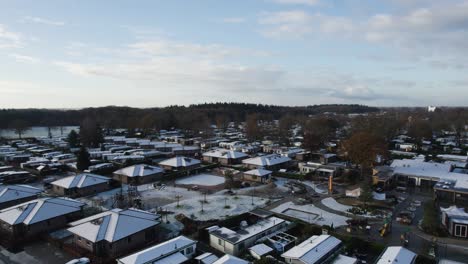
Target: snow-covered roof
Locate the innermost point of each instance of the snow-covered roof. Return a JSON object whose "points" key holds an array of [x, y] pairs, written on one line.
{"points": [[180, 161], [249, 231], [454, 211], [225, 154], [140, 170], [420, 168], [267, 160], [113, 225], [261, 249], [313, 249], [80, 181], [39, 210], [460, 158], [161, 253], [258, 172], [228, 259], [396, 255], [15, 192], [207, 258]]}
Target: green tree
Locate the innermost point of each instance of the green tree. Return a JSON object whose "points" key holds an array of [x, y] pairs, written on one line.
{"points": [[91, 133], [83, 161], [73, 139]]}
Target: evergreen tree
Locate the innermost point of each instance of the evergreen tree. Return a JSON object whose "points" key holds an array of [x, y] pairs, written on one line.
{"points": [[83, 161], [73, 139]]}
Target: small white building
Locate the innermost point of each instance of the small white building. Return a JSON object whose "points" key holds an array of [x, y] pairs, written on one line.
{"points": [[235, 241], [260, 250], [397, 255], [316, 249], [175, 251]]}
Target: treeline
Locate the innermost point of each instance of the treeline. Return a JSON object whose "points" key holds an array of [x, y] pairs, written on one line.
{"points": [[191, 117]]}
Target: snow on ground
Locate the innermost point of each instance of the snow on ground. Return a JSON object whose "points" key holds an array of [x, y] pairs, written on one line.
{"points": [[103, 199], [331, 203], [202, 180], [215, 206], [315, 187], [311, 214]]}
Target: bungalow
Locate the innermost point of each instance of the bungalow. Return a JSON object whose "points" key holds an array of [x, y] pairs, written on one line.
{"points": [[138, 174], [316, 249], [115, 232], [234, 242], [455, 220], [175, 251], [80, 185], [397, 255], [257, 175], [224, 157], [15, 194], [271, 162], [38, 216], [180, 163]]}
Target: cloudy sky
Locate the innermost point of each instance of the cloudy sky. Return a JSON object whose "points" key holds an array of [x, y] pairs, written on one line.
{"points": [[70, 54]]}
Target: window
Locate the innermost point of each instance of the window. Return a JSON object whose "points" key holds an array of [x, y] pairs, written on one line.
{"points": [[220, 242], [460, 230], [254, 177]]}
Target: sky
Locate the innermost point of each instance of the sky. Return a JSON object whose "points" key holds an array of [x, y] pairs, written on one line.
{"points": [[87, 53]]}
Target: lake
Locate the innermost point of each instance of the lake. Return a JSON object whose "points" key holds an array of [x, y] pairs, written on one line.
{"points": [[39, 131]]}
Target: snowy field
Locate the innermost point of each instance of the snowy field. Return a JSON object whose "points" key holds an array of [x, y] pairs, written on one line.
{"points": [[331, 203], [202, 180], [215, 207], [307, 212]]}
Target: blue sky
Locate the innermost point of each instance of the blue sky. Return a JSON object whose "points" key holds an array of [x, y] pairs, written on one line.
{"points": [[71, 54]]}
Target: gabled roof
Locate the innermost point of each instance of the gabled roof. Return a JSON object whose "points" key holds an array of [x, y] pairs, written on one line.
{"points": [[39, 210], [207, 258], [180, 161], [261, 249], [80, 181], [15, 192], [168, 250], [228, 259], [225, 154], [113, 225], [140, 170], [267, 160], [396, 255], [313, 249], [258, 172]]}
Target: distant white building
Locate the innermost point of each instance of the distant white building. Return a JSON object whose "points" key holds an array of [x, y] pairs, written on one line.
{"points": [[316, 249]]}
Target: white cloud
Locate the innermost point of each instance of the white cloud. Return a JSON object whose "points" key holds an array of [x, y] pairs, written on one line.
{"points": [[24, 58], [9, 39], [40, 20], [297, 2], [234, 20]]}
